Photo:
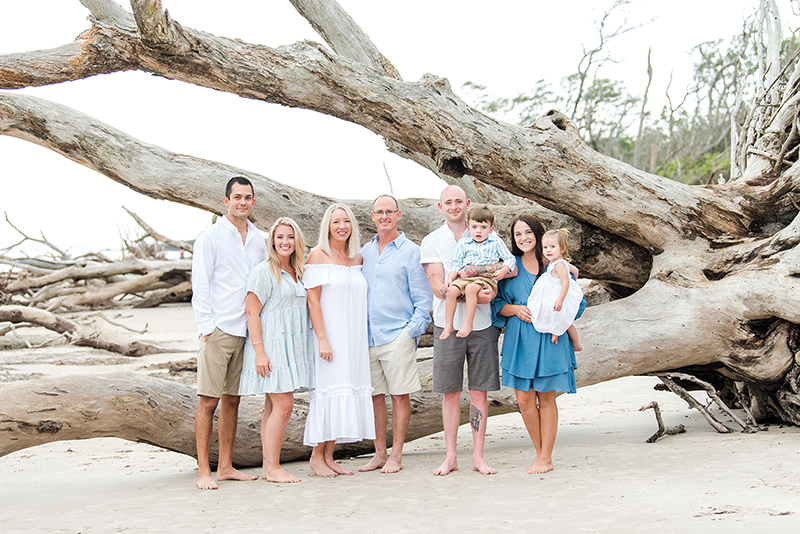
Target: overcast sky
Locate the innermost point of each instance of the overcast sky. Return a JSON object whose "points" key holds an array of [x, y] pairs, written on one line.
{"points": [[507, 45]]}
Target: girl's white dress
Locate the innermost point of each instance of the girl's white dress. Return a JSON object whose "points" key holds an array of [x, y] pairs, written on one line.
{"points": [[543, 297], [341, 402]]}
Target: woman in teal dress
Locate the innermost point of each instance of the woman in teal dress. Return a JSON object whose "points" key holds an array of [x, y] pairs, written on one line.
{"points": [[536, 368]]}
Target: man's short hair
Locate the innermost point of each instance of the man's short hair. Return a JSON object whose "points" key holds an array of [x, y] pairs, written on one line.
{"points": [[238, 180], [481, 214]]}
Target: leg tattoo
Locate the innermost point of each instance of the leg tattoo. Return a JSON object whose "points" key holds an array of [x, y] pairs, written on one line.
{"points": [[475, 418]]}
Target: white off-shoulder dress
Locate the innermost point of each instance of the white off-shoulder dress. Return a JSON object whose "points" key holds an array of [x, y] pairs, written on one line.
{"points": [[543, 297], [341, 402]]}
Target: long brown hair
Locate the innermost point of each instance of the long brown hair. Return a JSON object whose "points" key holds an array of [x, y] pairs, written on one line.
{"points": [[537, 227]]}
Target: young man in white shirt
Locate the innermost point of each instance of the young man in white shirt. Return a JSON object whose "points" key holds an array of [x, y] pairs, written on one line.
{"points": [[478, 349], [224, 254]]}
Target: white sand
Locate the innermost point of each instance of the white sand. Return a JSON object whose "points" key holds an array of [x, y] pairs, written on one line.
{"points": [[606, 479]]}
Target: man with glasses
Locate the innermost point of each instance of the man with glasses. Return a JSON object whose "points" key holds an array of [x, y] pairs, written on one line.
{"points": [[399, 301]]}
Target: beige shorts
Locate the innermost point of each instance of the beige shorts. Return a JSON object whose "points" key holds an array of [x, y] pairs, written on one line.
{"points": [[219, 364], [462, 283], [393, 366]]}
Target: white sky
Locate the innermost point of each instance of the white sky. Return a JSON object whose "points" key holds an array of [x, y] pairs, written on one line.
{"points": [[507, 45]]}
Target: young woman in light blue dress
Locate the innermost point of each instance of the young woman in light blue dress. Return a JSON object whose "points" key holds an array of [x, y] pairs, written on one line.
{"points": [[279, 349]]}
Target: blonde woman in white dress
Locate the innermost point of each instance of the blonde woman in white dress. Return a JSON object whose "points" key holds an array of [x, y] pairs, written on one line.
{"points": [[340, 410]]}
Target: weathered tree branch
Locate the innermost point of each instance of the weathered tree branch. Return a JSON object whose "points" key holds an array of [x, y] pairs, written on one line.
{"points": [[94, 334], [161, 413]]}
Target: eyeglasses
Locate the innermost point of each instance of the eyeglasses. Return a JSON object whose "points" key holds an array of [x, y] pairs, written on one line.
{"points": [[388, 213]]}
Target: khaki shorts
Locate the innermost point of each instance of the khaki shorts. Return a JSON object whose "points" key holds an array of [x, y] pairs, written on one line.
{"points": [[219, 364], [393, 367], [462, 283]]}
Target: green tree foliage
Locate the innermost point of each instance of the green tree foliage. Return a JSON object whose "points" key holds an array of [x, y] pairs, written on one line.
{"points": [[689, 140]]}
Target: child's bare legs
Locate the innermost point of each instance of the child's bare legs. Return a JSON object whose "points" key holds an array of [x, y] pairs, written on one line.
{"points": [[572, 332], [450, 310], [471, 298], [277, 411]]}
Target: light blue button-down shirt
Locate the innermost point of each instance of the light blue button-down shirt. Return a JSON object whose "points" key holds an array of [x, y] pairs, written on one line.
{"points": [[398, 294]]}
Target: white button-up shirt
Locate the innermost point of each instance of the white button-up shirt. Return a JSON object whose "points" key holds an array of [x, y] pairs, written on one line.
{"points": [[220, 266]]}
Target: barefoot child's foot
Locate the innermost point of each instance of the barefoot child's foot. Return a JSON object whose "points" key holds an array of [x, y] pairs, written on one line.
{"points": [[554, 339], [448, 329], [465, 330]]}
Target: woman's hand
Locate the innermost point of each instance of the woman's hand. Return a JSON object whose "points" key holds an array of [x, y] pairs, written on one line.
{"points": [[263, 365], [325, 351], [523, 313]]}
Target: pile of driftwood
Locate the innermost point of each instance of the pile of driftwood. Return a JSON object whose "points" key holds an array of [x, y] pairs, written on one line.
{"points": [[35, 290]]}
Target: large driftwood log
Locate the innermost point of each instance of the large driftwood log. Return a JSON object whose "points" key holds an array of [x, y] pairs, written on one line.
{"points": [[161, 413], [93, 332], [715, 268]]}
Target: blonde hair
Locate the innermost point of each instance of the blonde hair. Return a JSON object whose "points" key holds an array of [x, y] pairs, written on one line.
{"points": [[562, 236], [353, 242], [298, 257]]}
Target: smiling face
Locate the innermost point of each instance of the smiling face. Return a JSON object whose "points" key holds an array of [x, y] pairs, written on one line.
{"points": [[524, 237], [385, 215], [453, 204], [241, 202], [283, 241], [341, 226], [551, 248]]}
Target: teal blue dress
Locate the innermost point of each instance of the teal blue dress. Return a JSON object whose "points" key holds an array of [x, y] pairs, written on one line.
{"points": [[529, 359]]}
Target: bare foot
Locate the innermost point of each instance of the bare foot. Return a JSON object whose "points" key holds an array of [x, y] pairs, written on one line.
{"points": [[392, 466], [447, 467], [540, 466], [338, 469], [280, 476], [377, 461], [577, 347], [446, 332], [554, 339], [321, 469], [233, 474], [205, 482], [480, 465], [465, 330]]}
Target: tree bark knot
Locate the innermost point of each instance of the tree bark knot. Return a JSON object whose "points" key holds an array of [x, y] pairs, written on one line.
{"points": [[50, 427]]}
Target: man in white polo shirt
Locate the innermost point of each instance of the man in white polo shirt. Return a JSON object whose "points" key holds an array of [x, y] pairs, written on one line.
{"points": [[478, 349], [224, 254]]}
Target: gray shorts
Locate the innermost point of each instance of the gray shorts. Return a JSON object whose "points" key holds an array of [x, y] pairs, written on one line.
{"points": [[480, 351]]}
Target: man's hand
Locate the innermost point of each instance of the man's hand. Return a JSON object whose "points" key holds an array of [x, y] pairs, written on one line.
{"points": [[485, 295]]}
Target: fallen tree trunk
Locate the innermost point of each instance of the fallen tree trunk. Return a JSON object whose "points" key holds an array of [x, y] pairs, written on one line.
{"points": [[161, 413], [95, 334]]}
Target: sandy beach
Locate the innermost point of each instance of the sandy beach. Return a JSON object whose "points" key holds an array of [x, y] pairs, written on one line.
{"points": [[606, 478]]}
